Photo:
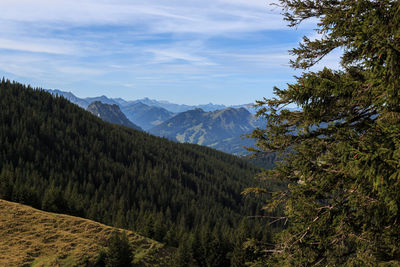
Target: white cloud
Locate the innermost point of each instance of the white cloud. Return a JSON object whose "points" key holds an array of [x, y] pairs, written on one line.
{"points": [[211, 16], [132, 43], [22, 65], [37, 46], [164, 56], [250, 3], [79, 70], [47, 67], [275, 57]]}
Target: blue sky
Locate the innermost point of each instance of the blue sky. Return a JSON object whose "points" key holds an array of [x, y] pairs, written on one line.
{"points": [[184, 51]]}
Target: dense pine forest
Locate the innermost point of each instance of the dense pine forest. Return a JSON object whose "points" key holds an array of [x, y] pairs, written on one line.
{"points": [[58, 157], [342, 203], [333, 180]]}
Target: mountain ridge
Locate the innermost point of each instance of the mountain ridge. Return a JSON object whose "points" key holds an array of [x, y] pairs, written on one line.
{"points": [[146, 116], [172, 107], [111, 113], [152, 116], [220, 129]]}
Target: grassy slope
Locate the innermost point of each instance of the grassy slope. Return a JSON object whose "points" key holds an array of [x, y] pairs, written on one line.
{"points": [[32, 237]]}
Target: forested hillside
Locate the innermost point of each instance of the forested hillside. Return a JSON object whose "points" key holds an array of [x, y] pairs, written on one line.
{"points": [[59, 157]]}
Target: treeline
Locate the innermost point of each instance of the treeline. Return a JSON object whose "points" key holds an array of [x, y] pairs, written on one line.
{"points": [[59, 157]]}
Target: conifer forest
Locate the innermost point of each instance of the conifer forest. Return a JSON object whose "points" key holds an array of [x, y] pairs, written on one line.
{"points": [[322, 190]]}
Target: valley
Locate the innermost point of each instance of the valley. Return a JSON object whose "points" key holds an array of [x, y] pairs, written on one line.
{"points": [[61, 158], [215, 126], [309, 175]]}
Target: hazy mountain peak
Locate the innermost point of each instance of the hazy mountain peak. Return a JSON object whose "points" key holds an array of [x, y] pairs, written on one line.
{"points": [[221, 129], [111, 113], [146, 116], [140, 104], [70, 97]]}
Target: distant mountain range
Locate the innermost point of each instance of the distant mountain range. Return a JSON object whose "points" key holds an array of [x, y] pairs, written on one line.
{"points": [[111, 113], [178, 108], [221, 129], [146, 116], [172, 107], [216, 126], [71, 97]]}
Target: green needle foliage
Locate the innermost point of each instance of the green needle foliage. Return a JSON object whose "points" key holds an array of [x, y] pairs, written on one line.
{"points": [[342, 147], [119, 251]]}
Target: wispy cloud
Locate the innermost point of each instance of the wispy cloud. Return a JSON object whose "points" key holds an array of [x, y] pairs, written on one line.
{"points": [[37, 46], [217, 16], [171, 56], [175, 47]]}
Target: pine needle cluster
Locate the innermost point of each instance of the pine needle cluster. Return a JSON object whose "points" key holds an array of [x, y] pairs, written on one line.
{"points": [[342, 146]]}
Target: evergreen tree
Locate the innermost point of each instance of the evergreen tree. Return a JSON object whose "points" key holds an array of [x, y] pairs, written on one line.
{"points": [[119, 252], [342, 147], [183, 256]]}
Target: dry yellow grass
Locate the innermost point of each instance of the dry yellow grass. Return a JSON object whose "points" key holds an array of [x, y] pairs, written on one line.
{"points": [[30, 237]]}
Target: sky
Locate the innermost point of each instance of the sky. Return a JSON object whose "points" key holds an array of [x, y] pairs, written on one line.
{"points": [[183, 51]]}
